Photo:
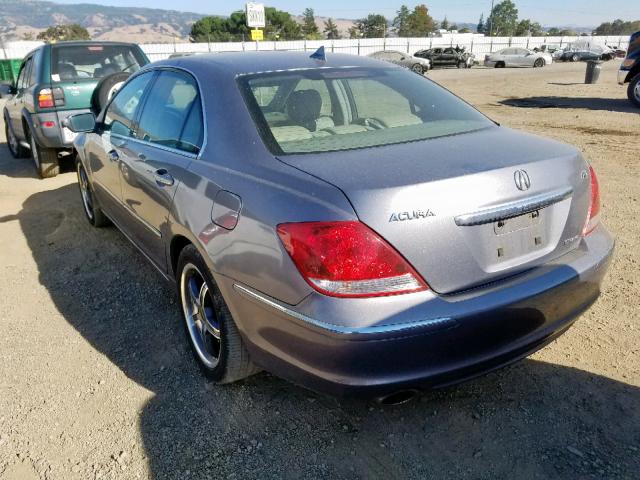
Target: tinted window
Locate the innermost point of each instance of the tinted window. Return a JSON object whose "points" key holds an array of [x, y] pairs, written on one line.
{"points": [[172, 113], [371, 107], [77, 62], [122, 111]]}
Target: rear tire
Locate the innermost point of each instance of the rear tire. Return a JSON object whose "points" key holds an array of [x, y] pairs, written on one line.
{"points": [[462, 64], [105, 89], [90, 203], [633, 90], [13, 144], [419, 69], [212, 333], [539, 63], [44, 159], [575, 57], [500, 65]]}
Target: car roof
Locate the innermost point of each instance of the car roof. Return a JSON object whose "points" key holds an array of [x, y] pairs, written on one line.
{"points": [[244, 63], [82, 43]]}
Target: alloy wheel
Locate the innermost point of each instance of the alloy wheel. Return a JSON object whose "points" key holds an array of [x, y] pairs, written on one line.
{"points": [[12, 141], [200, 315], [85, 191]]}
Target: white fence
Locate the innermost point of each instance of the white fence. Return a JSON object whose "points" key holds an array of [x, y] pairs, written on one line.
{"points": [[477, 44]]}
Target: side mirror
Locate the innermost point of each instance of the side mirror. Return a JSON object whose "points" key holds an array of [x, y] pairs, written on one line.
{"points": [[82, 122], [7, 90]]}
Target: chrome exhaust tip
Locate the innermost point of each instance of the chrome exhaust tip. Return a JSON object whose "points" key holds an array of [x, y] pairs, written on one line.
{"points": [[398, 398]]}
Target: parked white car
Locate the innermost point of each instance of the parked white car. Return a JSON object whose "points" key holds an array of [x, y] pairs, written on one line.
{"points": [[517, 57], [418, 65]]}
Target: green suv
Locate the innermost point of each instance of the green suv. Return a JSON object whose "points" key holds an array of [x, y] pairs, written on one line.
{"points": [[56, 81]]}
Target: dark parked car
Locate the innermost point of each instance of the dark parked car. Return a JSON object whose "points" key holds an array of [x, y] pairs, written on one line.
{"points": [[56, 81], [447, 57], [340, 223], [630, 70]]}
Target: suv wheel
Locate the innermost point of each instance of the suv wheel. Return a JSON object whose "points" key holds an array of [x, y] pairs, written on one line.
{"points": [[212, 333], [45, 159], [17, 150], [633, 90]]}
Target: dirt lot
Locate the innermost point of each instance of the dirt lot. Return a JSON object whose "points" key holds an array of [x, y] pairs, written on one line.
{"points": [[96, 380]]}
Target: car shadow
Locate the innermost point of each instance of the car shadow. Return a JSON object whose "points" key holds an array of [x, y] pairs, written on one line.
{"points": [[608, 104], [530, 420], [24, 167]]}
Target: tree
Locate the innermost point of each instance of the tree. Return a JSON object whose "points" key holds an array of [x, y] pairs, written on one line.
{"points": [[618, 27], [445, 24], [331, 30], [279, 26], [28, 36], [354, 32], [527, 28], [420, 23], [309, 27], [464, 30], [373, 26], [453, 26], [401, 22], [480, 28], [553, 32], [503, 19], [58, 33]]}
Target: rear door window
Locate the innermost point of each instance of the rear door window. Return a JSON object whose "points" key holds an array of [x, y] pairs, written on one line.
{"points": [[172, 114], [85, 62], [23, 77], [122, 111]]}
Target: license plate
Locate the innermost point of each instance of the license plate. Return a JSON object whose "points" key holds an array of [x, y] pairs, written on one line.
{"points": [[510, 225], [67, 135]]}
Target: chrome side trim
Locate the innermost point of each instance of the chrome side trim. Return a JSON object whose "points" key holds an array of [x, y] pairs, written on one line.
{"points": [[437, 323], [513, 209]]}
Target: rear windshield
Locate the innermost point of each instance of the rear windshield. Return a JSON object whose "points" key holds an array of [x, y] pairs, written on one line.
{"points": [[323, 110], [78, 62]]}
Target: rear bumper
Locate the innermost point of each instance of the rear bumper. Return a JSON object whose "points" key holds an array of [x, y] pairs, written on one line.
{"points": [[443, 340], [53, 137]]}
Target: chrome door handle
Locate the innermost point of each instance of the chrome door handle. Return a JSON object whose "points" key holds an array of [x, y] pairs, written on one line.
{"points": [[163, 178], [113, 156]]}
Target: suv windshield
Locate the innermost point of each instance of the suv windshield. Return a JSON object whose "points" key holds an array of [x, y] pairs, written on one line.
{"points": [[78, 62], [323, 110]]}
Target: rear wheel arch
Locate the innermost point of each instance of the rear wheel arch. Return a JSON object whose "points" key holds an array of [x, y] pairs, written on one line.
{"points": [[178, 243]]}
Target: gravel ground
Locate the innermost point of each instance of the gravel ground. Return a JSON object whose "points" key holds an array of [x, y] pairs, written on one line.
{"points": [[96, 380]]}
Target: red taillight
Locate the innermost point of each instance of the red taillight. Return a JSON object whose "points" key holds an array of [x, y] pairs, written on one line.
{"points": [[593, 216], [49, 98], [45, 98], [348, 259]]}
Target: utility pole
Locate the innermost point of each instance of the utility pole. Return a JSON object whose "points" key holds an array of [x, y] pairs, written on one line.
{"points": [[491, 20]]}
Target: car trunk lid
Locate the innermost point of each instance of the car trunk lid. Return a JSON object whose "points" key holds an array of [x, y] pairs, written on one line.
{"points": [[469, 209]]}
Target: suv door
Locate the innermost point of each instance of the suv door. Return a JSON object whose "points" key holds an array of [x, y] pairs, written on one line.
{"points": [[449, 56], [106, 155], [169, 135], [17, 102]]}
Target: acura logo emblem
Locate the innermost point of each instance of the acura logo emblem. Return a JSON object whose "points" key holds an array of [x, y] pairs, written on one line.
{"points": [[521, 177]]}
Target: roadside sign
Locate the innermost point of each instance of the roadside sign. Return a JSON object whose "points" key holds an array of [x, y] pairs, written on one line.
{"points": [[257, 35], [255, 16]]}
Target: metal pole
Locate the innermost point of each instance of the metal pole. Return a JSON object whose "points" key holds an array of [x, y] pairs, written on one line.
{"points": [[491, 23]]}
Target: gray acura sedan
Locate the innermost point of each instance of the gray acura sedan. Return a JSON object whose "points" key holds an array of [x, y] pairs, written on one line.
{"points": [[345, 224]]}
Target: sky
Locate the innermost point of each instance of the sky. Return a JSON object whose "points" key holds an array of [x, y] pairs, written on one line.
{"points": [[547, 12]]}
